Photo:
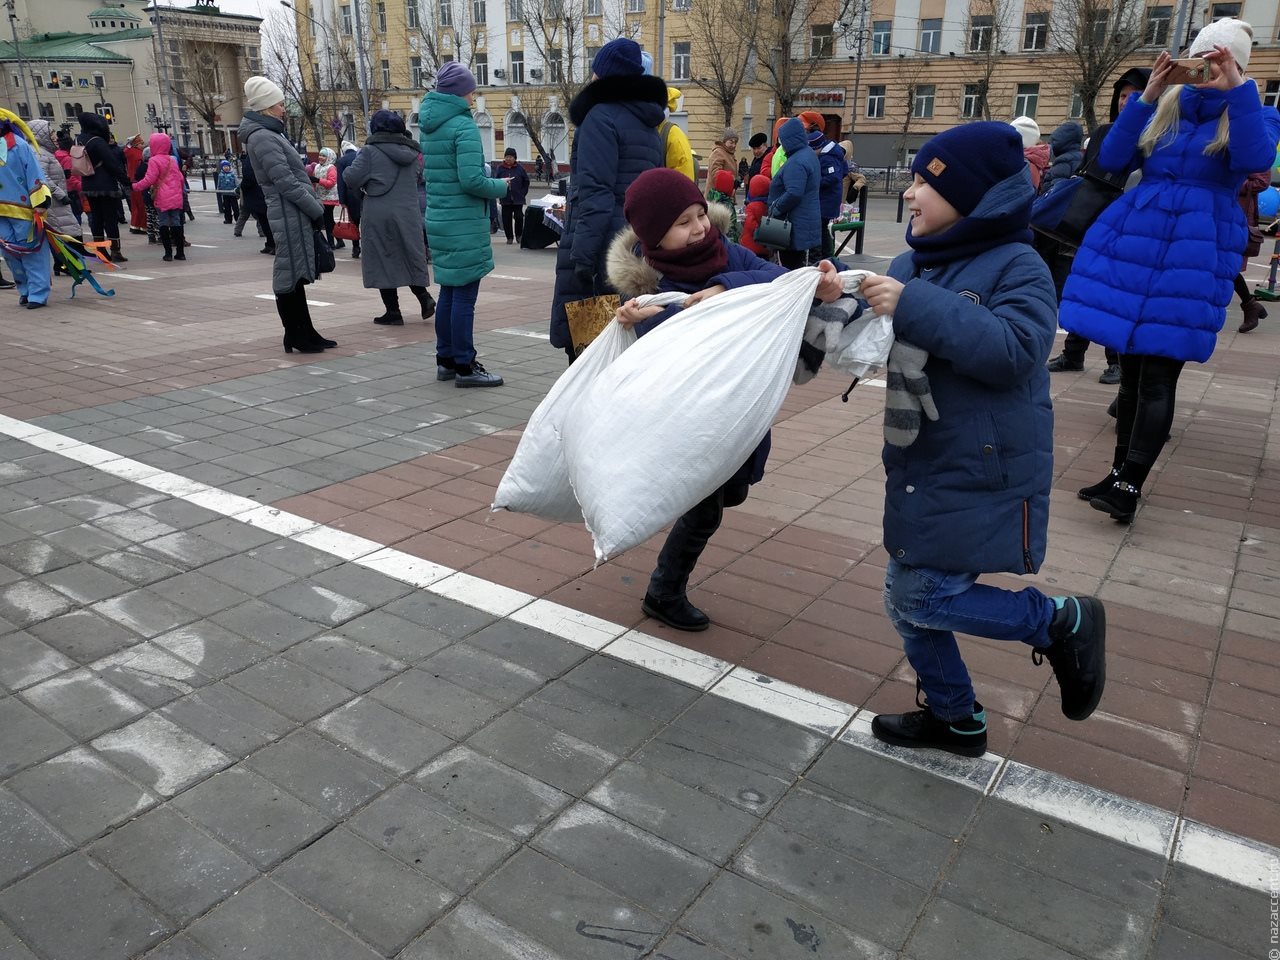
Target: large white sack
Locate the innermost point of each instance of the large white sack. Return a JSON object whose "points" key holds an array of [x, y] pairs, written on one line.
{"points": [[537, 479], [678, 413]]}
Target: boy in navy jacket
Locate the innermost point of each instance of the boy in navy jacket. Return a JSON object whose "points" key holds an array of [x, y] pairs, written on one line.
{"points": [[970, 495]]}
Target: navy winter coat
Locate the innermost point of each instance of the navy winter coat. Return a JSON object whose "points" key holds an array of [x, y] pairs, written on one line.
{"points": [[1066, 154], [971, 494], [518, 192], [832, 169], [793, 192], [1154, 274], [616, 141], [353, 200]]}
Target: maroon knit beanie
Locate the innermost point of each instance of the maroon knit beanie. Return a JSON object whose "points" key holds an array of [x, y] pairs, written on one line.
{"points": [[655, 200]]}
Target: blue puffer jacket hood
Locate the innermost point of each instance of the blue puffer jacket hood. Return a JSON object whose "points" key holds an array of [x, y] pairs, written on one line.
{"points": [[793, 192], [1068, 136], [793, 136]]}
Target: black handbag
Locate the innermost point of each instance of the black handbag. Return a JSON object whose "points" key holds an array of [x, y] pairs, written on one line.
{"points": [[1071, 206], [325, 261], [774, 233]]}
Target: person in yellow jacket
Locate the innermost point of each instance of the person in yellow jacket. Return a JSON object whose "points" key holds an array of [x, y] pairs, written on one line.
{"points": [[675, 144]]}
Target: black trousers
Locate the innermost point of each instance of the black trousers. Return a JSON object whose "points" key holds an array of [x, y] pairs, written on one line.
{"points": [[104, 217], [1144, 412], [688, 538], [800, 258], [1076, 345], [230, 209], [513, 214]]}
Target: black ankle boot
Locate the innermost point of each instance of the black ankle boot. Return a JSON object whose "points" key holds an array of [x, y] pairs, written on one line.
{"points": [[168, 244], [677, 612], [1120, 501], [1078, 654], [428, 304], [180, 243], [390, 319], [1101, 487]]}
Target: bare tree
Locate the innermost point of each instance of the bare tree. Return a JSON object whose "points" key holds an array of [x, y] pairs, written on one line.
{"points": [[283, 55], [795, 37], [200, 85], [1097, 36], [722, 58], [533, 104], [447, 31], [555, 31], [911, 71], [990, 31]]}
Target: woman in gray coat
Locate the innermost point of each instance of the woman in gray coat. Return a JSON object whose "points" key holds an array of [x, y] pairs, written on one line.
{"points": [[293, 210], [386, 171], [59, 215]]}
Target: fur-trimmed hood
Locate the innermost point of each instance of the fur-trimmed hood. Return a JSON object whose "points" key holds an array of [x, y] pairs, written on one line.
{"points": [[630, 273], [640, 94]]}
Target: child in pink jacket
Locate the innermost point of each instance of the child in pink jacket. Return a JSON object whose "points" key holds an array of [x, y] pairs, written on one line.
{"points": [[165, 180]]}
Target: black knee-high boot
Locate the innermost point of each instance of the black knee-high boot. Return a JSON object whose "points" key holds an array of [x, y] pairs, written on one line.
{"points": [[179, 236], [166, 238]]}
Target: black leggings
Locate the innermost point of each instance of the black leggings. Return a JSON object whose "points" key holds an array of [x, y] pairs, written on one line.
{"points": [[104, 217], [328, 223], [688, 538], [391, 297], [791, 259], [1144, 412]]}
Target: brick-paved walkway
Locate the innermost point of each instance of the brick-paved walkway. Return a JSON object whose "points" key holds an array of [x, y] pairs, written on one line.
{"points": [[185, 373]]}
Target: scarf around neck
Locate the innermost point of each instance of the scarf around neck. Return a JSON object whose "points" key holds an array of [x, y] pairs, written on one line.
{"points": [[693, 265], [970, 237]]}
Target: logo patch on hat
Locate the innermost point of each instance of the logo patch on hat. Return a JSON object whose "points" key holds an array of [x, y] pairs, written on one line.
{"points": [[936, 166]]}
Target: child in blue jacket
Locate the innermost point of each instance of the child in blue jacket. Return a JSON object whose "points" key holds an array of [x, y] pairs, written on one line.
{"points": [[228, 192], [674, 242], [970, 495]]}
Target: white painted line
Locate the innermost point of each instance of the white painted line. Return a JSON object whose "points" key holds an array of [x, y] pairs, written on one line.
{"points": [[812, 710], [1236, 859], [54, 442], [484, 595], [977, 773], [115, 274], [517, 332], [569, 624], [310, 303], [503, 276], [205, 246], [19, 429], [128, 469], [348, 546], [276, 521], [219, 501], [405, 567], [89, 454], [1132, 823], [668, 659], [174, 485]]}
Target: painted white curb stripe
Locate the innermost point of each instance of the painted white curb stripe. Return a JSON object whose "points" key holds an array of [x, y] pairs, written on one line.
{"points": [[516, 331], [1226, 856], [272, 296]]}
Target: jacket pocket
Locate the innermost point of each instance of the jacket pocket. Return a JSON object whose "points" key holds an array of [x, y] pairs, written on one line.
{"points": [[991, 452]]}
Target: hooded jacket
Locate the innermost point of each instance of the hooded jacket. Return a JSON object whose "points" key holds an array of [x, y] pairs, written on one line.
{"points": [[1037, 162], [164, 178], [59, 214], [345, 197], [1065, 154], [108, 178], [721, 158], [793, 191], [1154, 273], [616, 140], [971, 494], [458, 192], [326, 174], [832, 169], [679, 152], [757, 207], [385, 175]]}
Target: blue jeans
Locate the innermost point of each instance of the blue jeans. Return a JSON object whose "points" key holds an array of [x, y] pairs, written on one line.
{"points": [[455, 321], [926, 606]]}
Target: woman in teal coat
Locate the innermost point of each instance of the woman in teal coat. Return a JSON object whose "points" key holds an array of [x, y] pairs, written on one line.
{"points": [[458, 195]]}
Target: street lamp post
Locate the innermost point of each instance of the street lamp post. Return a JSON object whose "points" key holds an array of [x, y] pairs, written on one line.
{"points": [[361, 66]]}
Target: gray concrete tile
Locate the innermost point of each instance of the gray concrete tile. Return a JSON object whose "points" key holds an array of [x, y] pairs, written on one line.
{"points": [[746, 920], [469, 933], [41, 519], [134, 526], [947, 931], [333, 780], [136, 567], [483, 673], [668, 809], [448, 617], [26, 840], [1214, 909], [120, 926], [1173, 943], [85, 582], [86, 507], [187, 549], [180, 514], [175, 865], [346, 662], [576, 918], [543, 752], [263, 623], [83, 636], [682, 945], [307, 598], [388, 906], [245, 573], [11, 948], [195, 591], [732, 775], [29, 737], [82, 703], [214, 650], [180, 947], [368, 586], [80, 793], [1040, 905], [589, 718], [234, 723], [529, 647], [494, 791], [631, 687], [25, 660], [382, 735], [263, 491], [144, 612], [234, 534], [394, 636], [263, 922], [295, 558], [446, 844], [159, 754], [149, 674], [659, 876], [291, 689], [437, 703], [85, 541], [29, 601], [251, 815]]}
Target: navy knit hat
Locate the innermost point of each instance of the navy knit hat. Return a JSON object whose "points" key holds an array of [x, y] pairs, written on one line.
{"points": [[963, 163], [454, 78], [655, 200], [618, 58]]}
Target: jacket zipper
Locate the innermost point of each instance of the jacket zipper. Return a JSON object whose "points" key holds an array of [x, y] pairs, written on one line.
{"points": [[1026, 537]]}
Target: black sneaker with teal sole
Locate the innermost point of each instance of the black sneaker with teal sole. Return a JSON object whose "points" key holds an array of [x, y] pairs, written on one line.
{"points": [[1078, 654], [920, 728]]}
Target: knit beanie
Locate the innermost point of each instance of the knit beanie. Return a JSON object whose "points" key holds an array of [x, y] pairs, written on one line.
{"points": [[455, 79], [723, 181], [261, 93], [618, 58], [729, 134], [813, 120], [1235, 35], [963, 163], [758, 140], [509, 152], [1028, 129], [758, 188], [655, 200]]}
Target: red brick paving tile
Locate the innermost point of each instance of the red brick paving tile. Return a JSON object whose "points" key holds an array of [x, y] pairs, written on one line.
{"points": [[1127, 776], [468, 488], [863, 623], [738, 541], [313, 508], [413, 517], [540, 555], [518, 574], [1123, 617], [1140, 740], [1184, 657], [641, 561], [1250, 736], [521, 524], [443, 504], [1264, 677], [478, 535], [1238, 770], [716, 641], [756, 567], [1157, 678], [1260, 649], [780, 597], [1011, 699], [420, 478], [569, 536], [353, 497], [813, 673], [441, 463], [389, 487], [468, 456], [1009, 661], [839, 646], [599, 602], [746, 522], [617, 579], [1228, 809], [796, 557], [739, 616], [374, 527], [439, 550], [1243, 702]]}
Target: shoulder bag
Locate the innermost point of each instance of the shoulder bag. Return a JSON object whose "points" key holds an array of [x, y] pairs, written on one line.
{"points": [[774, 233]]}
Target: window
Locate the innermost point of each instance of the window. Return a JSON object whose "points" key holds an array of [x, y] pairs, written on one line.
{"points": [[515, 11], [972, 103], [479, 11], [1157, 32], [386, 74], [822, 43], [381, 10], [881, 31], [480, 69], [922, 101], [635, 6], [875, 102], [681, 5], [930, 36], [1024, 104], [345, 12], [1076, 110], [416, 79], [1220, 10], [517, 66], [24, 111], [980, 34], [1271, 97], [70, 110], [55, 80], [255, 61], [411, 14], [446, 13], [315, 73], [593, 8], [591, 56], [1035, 34], [680, 61], [1098, 29], [46, 111], [555, 64]]}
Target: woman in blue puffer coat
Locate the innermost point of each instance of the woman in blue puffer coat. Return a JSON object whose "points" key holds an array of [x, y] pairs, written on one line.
{"points": [[1154, 275]]}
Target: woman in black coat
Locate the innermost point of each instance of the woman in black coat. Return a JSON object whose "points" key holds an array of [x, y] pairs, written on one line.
{"points": [[253, 202], [106, 185]]}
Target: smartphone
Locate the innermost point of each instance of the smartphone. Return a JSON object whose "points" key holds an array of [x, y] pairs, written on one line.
{"points": [[1190, 70]]}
